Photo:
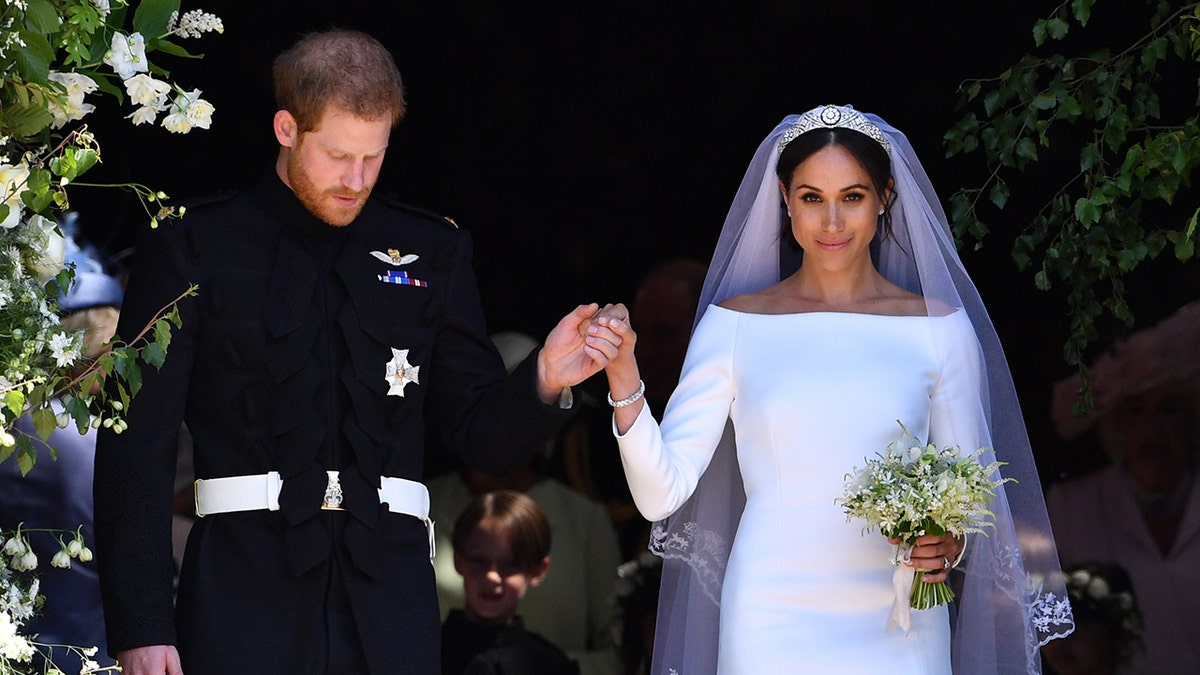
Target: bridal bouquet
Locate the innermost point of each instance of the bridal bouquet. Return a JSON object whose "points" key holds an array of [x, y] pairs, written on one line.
{"points": [[911, 490]]}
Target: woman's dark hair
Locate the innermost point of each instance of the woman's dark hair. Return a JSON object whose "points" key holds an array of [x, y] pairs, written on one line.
{"points": [[517, 516], [869, 153]]}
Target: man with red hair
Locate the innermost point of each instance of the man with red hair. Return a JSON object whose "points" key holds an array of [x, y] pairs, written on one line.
{"points": [[332, 333]]}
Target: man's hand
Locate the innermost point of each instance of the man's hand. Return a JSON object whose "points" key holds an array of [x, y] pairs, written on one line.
{"points": [[571, 355], [152, 660]]}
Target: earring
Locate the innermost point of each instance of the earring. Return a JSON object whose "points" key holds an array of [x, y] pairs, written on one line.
{"points": [[789, 213], [881, 210]]}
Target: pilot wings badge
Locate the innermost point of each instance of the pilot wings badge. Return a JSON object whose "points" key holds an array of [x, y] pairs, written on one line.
{"points": [[394, 257]]}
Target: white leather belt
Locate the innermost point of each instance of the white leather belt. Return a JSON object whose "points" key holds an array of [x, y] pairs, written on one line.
{"points": [[261, 491]]}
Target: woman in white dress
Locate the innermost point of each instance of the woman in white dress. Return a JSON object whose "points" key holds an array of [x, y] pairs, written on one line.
{"points": [[789, 384]]}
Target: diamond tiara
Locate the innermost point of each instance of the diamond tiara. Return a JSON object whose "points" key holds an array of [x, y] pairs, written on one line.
{"points": [[831, 117]]}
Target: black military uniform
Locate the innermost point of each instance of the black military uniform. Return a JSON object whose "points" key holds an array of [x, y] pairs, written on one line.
{"points": [[309, 348]]}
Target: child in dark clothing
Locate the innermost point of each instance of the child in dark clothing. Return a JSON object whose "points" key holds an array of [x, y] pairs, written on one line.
{"points": [[501, 548]]}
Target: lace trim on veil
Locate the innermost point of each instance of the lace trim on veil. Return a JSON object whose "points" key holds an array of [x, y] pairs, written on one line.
{"points": [[704, 551]]}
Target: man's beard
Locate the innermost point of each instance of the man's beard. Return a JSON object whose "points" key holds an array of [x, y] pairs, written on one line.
{"points": [[321, 204]]}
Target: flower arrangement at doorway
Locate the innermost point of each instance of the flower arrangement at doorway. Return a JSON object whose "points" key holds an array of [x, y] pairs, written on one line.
{"points": [[59, 59]]}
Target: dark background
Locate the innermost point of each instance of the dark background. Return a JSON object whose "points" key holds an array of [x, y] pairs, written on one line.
{"points": [[581, 143]]}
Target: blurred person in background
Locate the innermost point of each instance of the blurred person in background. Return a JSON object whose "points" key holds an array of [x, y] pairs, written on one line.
{"points": [[57, 492], [502, 550], [1142, 510], [664, 309], [1108, 623], [571, 607]]}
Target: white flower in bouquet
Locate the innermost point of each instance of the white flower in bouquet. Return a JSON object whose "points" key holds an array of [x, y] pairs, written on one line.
{"points": [[12, 182], [13, 645], [150, 95], [20, 600], [72, 107], [188, 110], [195, 23], [144, 90], [64, 349], [61, 560], [143, 115], [127, 55], [911, 490], [47, 248]]}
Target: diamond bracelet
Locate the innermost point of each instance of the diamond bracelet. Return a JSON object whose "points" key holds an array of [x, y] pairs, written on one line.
{"points": [[631, 399]]}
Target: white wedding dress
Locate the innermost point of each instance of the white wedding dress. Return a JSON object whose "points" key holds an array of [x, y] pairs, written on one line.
{"points": [[811, 396]]}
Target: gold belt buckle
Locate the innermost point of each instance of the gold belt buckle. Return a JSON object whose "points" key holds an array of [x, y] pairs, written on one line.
{"points": [[333, 493]]}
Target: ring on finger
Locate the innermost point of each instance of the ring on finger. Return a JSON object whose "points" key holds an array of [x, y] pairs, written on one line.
{"points": [[945, 563]]}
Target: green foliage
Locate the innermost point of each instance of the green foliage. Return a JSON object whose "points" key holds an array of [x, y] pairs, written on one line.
{"points": [[58, 60], [1099, 112], [68, 35]]}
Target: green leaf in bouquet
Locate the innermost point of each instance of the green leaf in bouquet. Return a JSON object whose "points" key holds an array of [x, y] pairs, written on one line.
{"points": [[37, 195], [162, 332], [124, 360], [152, 17], [134, 378], [78, 52], [77, 408], [85, 159], [154, 354], [167, 47], [14, 399], [86, 16], [73, 162], [24, 119], [26, 455], [41, 16], [33, 60], [124, 395], [44, 422]]}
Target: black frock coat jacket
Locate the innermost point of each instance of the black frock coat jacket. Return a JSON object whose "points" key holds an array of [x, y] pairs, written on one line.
{"points": [[281, 364]]}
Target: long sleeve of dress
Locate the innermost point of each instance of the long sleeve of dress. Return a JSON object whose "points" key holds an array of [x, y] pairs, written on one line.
{"points": [[956, 416], [663, 465]]}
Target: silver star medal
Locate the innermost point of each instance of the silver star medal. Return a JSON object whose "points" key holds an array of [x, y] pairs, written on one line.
{"points": [[400, 372]]}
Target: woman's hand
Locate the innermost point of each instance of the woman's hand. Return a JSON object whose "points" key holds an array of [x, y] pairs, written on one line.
{"points": [[935, 555], [611, 326]]}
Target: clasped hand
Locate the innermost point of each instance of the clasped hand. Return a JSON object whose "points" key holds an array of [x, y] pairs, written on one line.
{"points": [[579, 347], [610, 331]]}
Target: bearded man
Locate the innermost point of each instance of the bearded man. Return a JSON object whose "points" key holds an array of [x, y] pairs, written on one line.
{"points": [[333, 332]]}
